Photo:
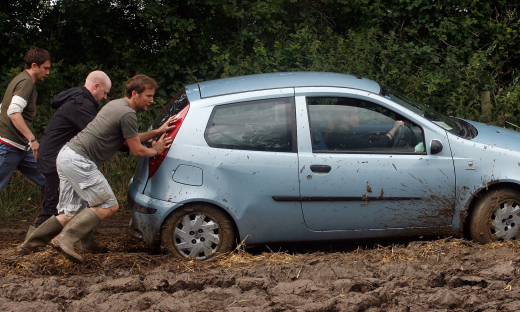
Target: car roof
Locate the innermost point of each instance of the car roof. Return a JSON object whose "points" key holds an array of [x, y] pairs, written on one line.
{"points": [[282, 80]]}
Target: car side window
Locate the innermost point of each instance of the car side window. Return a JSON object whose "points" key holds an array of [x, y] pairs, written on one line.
{"points": [[356, 126], [266, 125]]}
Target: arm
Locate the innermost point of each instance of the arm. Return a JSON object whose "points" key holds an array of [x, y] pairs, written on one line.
{"points": [[21, 94], [79, 116], [145, 136], [377, 140], [19, 124], [390, 134], [166, 126], [137, 149], [85, 116]]}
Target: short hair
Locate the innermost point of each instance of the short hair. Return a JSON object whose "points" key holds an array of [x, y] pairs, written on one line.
{"points": [[36, 55], [139, 83]]}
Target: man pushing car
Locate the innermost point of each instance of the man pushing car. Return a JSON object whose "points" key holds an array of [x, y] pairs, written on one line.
{"points": [[86, 198]]}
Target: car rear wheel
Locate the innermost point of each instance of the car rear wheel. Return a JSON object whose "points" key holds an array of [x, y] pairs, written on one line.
{"points": [[197, 231], [496, 217]]}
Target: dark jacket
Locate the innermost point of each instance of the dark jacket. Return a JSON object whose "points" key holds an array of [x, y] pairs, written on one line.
{"points": [[76, 109]]}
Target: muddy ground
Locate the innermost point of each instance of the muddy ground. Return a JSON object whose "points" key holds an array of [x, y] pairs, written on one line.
{"points": [[423, 275]]}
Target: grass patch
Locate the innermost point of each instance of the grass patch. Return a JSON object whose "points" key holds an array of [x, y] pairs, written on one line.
{"points": [[23, 199]]}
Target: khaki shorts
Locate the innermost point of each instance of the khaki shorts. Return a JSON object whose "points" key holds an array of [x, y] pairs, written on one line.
{"points": [[81, 184]]}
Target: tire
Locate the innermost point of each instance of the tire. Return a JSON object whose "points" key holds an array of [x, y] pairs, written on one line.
{"points": [[496, 217], [197, 232]]}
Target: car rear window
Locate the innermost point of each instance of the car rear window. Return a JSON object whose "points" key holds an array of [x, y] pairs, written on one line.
{"points": [[266, 125], [176, 104]]}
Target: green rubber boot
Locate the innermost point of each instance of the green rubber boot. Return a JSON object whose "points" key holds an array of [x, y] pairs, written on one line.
{"points": [[41, 236], [77, 229], [89, 244], [29, 232]]}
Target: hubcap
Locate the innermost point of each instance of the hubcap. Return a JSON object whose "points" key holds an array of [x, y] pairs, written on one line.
{"points": [[197, 236], [506, 221]]}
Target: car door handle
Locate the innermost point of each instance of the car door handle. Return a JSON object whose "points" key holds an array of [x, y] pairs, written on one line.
{"points": [[320, 168]]}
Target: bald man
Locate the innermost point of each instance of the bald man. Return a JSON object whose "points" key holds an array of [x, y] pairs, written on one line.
{"points": [[76, 108]]}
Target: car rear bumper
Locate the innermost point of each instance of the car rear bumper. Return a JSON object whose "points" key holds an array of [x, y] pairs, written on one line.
{"points": [[147, 215]]}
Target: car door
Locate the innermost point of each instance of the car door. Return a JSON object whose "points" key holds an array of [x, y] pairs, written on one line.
{"points": [[373, 182]]}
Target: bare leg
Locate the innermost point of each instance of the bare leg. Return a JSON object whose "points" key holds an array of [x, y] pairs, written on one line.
{"points": [[102, 213]]}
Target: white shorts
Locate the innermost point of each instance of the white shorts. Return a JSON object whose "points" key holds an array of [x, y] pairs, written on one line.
{"points": [[81, 184]]}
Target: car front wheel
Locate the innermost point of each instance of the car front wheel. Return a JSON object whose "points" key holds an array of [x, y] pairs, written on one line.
{"points": [[496, 216], [197, 231]]}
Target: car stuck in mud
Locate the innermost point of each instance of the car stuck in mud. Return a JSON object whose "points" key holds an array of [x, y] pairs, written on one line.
{"points": [[309, 156]]}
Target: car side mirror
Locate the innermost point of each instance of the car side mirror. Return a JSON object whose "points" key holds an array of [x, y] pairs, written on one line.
{"points": [[435, 147]]}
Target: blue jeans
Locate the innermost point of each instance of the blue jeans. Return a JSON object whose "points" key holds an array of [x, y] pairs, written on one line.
{"points": [[12, 158]]}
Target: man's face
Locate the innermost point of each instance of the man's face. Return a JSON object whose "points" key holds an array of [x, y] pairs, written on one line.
{"points": [[353, 120], [100, 91], [41, 71], [145, 99]]}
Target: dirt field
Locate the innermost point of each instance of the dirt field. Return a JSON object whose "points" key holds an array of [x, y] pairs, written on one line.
{"points": [[426, 275]]}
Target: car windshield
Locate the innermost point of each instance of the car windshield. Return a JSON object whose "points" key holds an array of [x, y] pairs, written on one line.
{"points": [[451, 124]]}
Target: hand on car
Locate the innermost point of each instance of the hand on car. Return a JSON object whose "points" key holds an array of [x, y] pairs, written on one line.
{"points": [[169, 124], [162, 143]]}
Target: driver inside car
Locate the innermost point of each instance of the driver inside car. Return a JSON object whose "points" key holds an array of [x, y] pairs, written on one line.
{"points": [[342, 133]]}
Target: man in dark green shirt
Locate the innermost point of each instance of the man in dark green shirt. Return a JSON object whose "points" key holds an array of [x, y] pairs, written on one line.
{"points": [[18, 145]]}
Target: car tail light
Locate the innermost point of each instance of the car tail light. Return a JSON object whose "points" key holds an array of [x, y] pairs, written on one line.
{"points": [[156, 161]]}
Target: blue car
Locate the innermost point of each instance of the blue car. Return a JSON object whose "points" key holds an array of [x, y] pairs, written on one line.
{"points": [[307, 156]]}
